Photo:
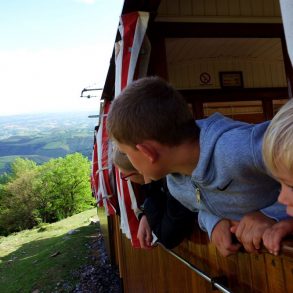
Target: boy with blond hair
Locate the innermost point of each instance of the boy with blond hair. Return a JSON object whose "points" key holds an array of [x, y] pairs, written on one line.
{"points": [[213, 166], [278, 158]]}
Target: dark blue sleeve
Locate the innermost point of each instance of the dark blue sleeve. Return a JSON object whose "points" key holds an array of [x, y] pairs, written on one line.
{"points": [[170, 221]]}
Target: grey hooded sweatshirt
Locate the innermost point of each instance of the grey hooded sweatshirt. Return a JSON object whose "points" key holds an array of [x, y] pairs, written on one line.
{"points": [[230, 178]]}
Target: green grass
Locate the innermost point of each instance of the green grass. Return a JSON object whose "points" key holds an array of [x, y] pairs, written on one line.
{"points": [[26, 258], [56, 145]]}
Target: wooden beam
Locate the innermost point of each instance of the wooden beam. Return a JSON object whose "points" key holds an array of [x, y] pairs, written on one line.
{"points": [[109, 86], [158, 59], [223, 95], [288, 66], [140, 5], [266, 95], [217, 30]]}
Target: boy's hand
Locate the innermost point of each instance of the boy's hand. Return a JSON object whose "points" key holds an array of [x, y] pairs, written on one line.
{"points": [[144, 233], [272, 236], [251, 229], [222, 238]]}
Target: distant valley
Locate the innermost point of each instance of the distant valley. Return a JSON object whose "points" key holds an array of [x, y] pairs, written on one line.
{"points": [[41, 137]]}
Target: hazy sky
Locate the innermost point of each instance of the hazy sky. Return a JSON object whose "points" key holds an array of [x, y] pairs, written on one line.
{"points": [[51, 49]]}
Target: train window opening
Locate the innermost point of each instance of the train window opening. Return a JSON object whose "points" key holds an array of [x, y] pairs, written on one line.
{"points": [[277, 104], [249, 111]]}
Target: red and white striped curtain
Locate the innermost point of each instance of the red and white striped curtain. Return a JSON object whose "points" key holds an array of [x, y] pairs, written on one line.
{"points": [[102, 177], [132, 58]]}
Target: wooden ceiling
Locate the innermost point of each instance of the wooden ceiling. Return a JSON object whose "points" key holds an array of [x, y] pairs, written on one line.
{"points": [[188, 49]]}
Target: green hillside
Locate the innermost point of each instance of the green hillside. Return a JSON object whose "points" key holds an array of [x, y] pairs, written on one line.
{"points": [[45, 256], [44, 136]]}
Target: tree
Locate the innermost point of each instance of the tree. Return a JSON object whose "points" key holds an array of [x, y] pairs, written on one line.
{"points": [[46, 193], [65, 188], [20, 165], [19, 203]]}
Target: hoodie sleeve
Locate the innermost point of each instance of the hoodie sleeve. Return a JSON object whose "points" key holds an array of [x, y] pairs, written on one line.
{"points": [[276, 211], [256, 146], [207, 221]]}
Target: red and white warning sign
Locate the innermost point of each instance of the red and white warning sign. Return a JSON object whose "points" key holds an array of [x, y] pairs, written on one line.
{"points": [[205, 78]]}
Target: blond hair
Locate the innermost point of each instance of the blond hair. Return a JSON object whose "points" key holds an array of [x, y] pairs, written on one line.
{"points": [[278, 140], [121, 160]]}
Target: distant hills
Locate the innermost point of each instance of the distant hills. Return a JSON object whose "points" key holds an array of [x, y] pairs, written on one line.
{"points": [[41, 137]]}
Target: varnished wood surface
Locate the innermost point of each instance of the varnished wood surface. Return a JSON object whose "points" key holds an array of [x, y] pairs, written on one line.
{"points": [[156, 270]]}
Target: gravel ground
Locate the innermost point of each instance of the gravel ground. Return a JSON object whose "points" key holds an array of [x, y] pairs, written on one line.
{"points": [[98, 276]]}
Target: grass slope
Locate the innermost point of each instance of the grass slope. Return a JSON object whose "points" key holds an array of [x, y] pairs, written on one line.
{"points": [[27, 260]]}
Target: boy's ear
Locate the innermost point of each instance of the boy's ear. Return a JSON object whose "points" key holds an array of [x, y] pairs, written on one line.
{"points": [[149, 151]]}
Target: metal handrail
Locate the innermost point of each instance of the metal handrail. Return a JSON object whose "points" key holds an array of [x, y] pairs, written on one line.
{"points": [[213, 280]]}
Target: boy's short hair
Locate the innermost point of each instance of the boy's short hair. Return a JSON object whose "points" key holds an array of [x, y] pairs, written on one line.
{"points": [[121, 160], [151, 109], [278, 140]]}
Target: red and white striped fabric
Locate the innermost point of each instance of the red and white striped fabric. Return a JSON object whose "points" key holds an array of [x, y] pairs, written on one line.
{"points": [[102, 178], [94, 180], [128, 208], [132, 56]]}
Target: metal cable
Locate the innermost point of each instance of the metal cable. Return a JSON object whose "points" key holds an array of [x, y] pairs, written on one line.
{"points": [[213, 280]]}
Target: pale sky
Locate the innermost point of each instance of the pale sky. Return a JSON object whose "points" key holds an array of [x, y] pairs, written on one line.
{"points": [[51, 49]]}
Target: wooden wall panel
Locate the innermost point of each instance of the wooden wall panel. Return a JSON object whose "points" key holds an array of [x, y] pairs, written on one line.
{"points": [[244, 270], [197, 257], [234, 8], [209, 254], [245, 8], [210, 8], [277, 9], [218, 8], [187, 8], [288, 272], [118, 245], [257, 8], [223, 7], [198, 7], [173, 7], [157, 271], [175, 274], [228, 267], [258, 273], [269, 8], [186, 75], [275, 276], [163, 6]]}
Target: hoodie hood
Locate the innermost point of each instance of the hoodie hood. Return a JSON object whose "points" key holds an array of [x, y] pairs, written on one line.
{"points": [[211, 130]]}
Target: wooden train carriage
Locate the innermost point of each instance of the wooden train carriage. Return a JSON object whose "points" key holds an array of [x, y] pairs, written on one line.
{"points": [[223, 55]]}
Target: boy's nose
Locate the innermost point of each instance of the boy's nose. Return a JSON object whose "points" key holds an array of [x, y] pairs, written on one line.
{"points": [[283, 196]]}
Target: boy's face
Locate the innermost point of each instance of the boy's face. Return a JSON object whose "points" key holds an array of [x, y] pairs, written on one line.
{"points": [[286, 194], [141, 162], [133, 176]]}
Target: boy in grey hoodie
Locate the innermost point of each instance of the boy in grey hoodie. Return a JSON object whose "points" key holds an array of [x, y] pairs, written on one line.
{"points": [[214, 166]]}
